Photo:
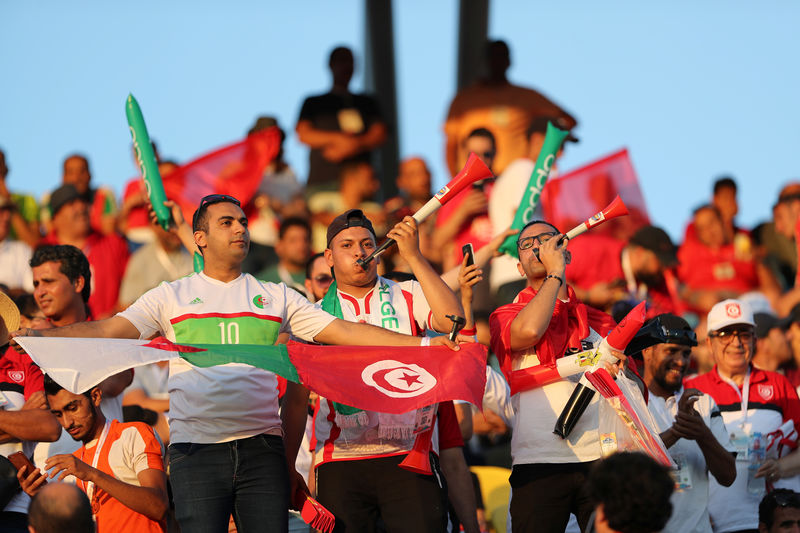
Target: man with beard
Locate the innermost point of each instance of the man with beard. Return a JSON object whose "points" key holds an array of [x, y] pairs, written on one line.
{"points": [[358, 452], [605, 270], [120, 466], [545, 323], [691, 424]]}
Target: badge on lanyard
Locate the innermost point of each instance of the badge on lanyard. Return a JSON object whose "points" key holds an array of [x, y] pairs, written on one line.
{"points": [[424, 419], [682, 475]]}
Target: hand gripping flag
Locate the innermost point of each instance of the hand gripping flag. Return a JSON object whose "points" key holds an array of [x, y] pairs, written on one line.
{"points": [[389, 379]]}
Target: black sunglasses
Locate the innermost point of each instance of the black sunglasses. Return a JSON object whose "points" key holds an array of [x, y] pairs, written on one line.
{"points": [[211, 199]]}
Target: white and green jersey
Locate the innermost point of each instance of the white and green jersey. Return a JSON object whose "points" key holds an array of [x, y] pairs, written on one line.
{"points": [[232, 401]]}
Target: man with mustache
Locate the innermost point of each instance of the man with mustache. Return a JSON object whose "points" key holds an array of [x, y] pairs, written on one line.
{"points": [[120, 466], [691, 423]]}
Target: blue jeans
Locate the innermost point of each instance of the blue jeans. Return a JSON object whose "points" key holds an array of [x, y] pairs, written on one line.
{"points": [[246, 478]]}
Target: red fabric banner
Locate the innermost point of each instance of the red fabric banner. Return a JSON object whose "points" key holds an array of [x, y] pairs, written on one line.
{"points": [[235, 169], [572, 197]]}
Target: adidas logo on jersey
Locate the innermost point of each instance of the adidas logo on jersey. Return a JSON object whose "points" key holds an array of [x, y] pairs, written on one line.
{"points": [[196, 301]]}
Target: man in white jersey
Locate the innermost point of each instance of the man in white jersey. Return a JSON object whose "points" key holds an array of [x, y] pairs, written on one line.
{"points": [[358, 452], [690, 422], [227, 456]]}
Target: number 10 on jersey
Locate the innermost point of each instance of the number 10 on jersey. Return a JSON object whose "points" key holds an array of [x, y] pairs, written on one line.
{"points": [[229, 332]]}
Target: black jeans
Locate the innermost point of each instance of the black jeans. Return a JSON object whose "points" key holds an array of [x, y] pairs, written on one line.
{"points": [[360, 492], [247, 478], [544, 495]]}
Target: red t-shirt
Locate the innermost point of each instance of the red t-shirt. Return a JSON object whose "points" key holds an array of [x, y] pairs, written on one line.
{"points": [[595, 259], [19, 374], [476, 230], [704, 268], [598, 258], [108, 257], [769, 391], [137, 217], [449, 432]]}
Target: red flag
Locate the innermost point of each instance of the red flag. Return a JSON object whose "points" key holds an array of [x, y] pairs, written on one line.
{"points": [[235, 170], [391, 379], [568, 199]]}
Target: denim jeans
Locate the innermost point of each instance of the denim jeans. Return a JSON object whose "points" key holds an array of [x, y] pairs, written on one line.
{"points": [[247, 478]]}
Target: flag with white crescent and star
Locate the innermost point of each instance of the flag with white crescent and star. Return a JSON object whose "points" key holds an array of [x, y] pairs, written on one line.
{"points": [[388, 379]]}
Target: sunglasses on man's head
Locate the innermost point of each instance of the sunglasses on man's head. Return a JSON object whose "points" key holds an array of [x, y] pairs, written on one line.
{"points": [[323, 279], [211, 199]]}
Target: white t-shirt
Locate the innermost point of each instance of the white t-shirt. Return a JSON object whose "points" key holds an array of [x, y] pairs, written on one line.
{"points": [[400, 307], [508, 190], [232, 401], [690, 501], [496, 396], [15, 271], [12, 400], [537, 411]]}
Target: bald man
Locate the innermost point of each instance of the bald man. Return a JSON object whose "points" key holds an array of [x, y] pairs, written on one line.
{"points": [[60, 508]]}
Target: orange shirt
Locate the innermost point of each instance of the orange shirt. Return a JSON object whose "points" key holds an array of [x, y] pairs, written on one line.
{"points": [[128, 450], [505, 110]]}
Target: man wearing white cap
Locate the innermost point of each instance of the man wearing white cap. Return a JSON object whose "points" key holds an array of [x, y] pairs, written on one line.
{"points": [[751, 401]]}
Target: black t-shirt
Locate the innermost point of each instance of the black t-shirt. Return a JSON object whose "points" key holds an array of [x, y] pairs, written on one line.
{"points": [[324, 114]]}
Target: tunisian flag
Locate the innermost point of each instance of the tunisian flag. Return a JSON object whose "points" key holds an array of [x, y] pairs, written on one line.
{"points": [[567, 199], [389, 379], [235, 170]]}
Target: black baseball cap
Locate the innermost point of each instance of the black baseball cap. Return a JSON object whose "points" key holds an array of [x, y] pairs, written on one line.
{"points": [[354, 218], [62, 196], [657, 241]]}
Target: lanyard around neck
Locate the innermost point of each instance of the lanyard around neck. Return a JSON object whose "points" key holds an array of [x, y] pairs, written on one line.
{"points": [[744, 396], [96, 458]]}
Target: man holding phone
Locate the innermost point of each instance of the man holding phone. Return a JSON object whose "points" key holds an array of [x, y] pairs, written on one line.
{"points": [[24, 417], [120, 466]]}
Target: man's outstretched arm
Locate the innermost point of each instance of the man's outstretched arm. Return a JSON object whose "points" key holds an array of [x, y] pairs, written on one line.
{"points": [[113, 327]]}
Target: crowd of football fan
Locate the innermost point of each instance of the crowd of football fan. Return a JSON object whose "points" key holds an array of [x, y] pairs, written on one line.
{"points": [[717, 362]]}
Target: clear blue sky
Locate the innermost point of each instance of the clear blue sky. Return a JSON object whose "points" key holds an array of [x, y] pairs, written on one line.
{"points": [[693, 89]]}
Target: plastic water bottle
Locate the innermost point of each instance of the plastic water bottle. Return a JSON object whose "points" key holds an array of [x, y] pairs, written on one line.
{"points": [[756, 453]]}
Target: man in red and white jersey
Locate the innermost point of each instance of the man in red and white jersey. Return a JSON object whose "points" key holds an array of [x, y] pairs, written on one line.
{"points": [[751, 401], [120, 466], [547, 322], [24, 417], [358, 452]]}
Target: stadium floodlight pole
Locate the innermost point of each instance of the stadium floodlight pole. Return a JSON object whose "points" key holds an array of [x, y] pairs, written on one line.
{"points": [[474, 170]]}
